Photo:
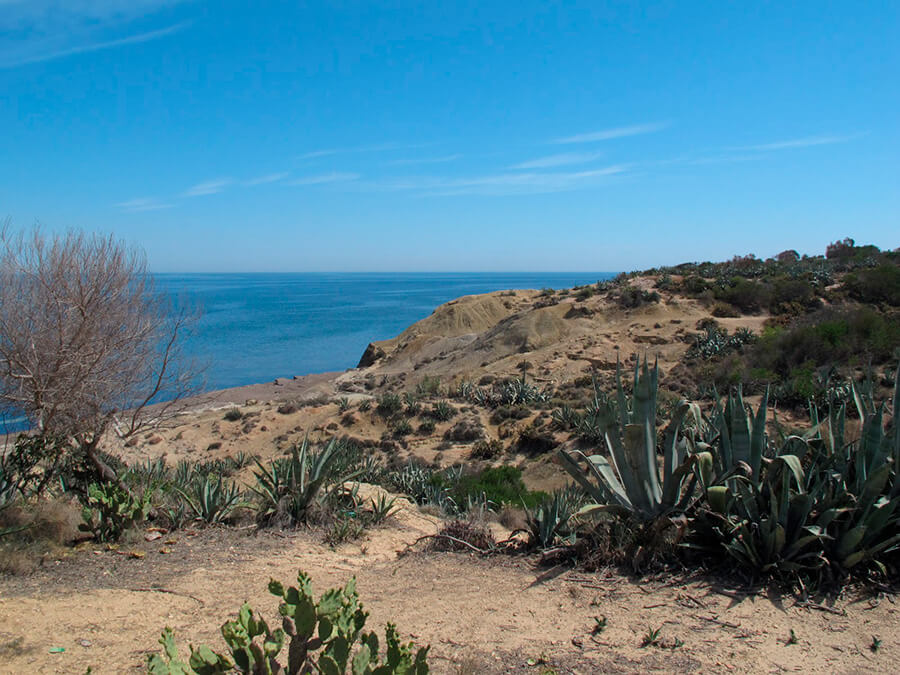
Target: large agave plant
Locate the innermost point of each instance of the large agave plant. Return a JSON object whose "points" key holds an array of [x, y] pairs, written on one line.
{"points": [[628, 481], [816, 500], [861, 498], [290, 487], [771, 523]]}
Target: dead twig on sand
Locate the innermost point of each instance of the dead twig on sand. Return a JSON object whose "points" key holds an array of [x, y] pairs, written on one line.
{"points": [[822, 608], [712, 619], [448, 537], [150, 589]]}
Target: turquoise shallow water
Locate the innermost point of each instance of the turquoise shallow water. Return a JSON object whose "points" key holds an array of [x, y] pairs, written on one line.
{"points": [[256, 327]]}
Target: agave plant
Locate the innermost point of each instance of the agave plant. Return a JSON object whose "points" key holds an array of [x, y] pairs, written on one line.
{"points": [[628, 482], [291, 486], [771, 522], [549, 521], [211, 499], [861, 502], [381, 508], [820, 500], [741, 435]]}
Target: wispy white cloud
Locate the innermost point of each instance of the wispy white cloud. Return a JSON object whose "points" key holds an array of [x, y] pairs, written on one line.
{"points": [[268, 178], [562, 159], [423, 160], [378, 147], [209, 187], [96, 46], [507, 183], [609, 134], [42, 30], [143, 204], [333, 177], [806, 142], [319, 153]]}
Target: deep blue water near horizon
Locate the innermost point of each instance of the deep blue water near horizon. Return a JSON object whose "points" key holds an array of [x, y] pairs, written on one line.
{"points": [[256, 327]]}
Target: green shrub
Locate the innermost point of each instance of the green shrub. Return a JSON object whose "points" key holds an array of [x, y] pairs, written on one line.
{"points": [[510, 412], [875, 285], [442, 411], [486, 449], [631, 297], [825, 337], [748, 296], [429, 386], [723, 310], [401, 428], [233, 415], [389, 405], [534, 440], [324, 636], [500, 485]]}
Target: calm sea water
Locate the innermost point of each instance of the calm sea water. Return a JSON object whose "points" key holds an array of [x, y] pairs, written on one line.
{"points": [[256, 327]]}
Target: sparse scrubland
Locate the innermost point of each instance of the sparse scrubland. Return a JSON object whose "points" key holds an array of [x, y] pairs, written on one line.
{"points": [[686, 468]]}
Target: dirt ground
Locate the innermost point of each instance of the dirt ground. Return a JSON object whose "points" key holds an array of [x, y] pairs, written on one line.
{"points": [[501, 614]]}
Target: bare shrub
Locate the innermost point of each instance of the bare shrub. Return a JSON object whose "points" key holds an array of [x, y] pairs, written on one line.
{"points": [[455, 534], [87, 345]]}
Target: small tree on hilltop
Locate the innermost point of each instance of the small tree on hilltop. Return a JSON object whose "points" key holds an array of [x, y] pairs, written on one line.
{"points": [[86, 344]]}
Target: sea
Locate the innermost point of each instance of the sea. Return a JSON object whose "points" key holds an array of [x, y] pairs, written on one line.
{"points": [[255, 328]]}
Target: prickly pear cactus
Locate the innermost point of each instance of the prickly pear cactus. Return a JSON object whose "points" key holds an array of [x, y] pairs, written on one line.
{"points": [[109, 511], [323, 637]]}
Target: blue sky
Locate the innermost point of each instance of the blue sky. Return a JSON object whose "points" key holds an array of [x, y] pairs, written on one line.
{"points": [[351, 136]]}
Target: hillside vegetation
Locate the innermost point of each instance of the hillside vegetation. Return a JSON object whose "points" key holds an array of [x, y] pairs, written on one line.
{"points": [[734, 420]]}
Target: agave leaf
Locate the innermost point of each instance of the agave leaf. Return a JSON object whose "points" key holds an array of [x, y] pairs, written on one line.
{"points": [[640, 455], [717, 497], [895, 414], [595, 510], [606, 488], [758, 435], [671, 451]]}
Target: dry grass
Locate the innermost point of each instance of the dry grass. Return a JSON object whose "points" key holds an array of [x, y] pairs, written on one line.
{"points": [[47, 526]]}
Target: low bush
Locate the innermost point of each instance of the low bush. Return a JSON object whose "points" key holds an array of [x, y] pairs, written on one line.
{"points": [[632, 297], [442, 411], [500, 485], [389, 405], [486, 450], [876, 285], [535, 440], [233, 415], [825, 337], [462, 535], [467, 430]]}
